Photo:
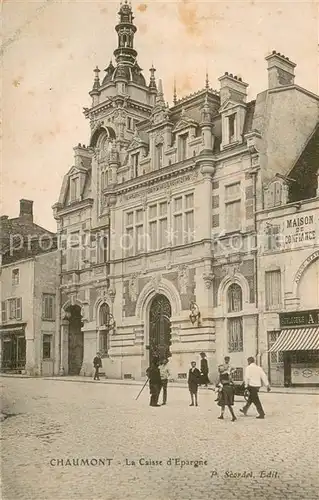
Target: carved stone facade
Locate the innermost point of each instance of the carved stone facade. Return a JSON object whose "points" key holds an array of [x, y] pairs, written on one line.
{"points": [[164, 203]]}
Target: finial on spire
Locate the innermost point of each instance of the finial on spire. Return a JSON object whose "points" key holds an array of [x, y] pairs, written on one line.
{"points": [[207, 81], [174, 93], [160, 94], [152, 84], [96, 83]]}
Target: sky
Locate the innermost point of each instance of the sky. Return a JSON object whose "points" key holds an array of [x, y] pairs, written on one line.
{"points": [[49, 50]]}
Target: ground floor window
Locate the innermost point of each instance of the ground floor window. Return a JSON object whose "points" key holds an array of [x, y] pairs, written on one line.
{"points": [[301, 357], [13, 353], [235, 334], [104, 342], [46, 346], [275, 357]]}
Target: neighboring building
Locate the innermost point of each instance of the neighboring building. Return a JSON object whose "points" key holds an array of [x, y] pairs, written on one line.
{"points": [[288, 272], [29, 282], [157, 216]]}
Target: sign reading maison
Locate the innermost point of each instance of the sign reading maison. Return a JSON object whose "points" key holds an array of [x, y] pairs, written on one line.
{"points": [[299, 318], [300, 230]]}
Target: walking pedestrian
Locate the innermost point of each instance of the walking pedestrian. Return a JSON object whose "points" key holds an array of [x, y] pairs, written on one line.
{"points": [[225, 367], [204, 369], [97, 363], [226, 393], [255, 377], [154, 376], [193, 382], [165, 374]]}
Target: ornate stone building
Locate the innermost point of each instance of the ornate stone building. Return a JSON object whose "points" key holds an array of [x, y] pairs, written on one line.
{"points": [[157, 217]]}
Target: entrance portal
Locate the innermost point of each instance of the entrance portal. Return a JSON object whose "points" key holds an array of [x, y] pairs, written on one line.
{"points": [[160, 328], [76, 341]]}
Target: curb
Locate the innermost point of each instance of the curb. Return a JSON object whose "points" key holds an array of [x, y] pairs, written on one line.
{"points": [[275, 390]]}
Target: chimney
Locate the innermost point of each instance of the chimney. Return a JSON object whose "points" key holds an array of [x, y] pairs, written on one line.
{"points": [[232, 87], [281, 71], [26, 209]]}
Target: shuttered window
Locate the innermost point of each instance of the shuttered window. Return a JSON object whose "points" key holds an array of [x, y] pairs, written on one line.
{"points": [[273, 289]]}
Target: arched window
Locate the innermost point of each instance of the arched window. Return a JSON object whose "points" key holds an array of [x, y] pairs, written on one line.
{"points": [[235, 321], [235, 298], [104, 314], [104, 317]]}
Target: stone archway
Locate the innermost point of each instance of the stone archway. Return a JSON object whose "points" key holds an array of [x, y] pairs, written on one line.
{"points": [[160, 328], [75, 340]]}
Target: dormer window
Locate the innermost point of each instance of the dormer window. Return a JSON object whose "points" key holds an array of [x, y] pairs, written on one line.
{"points": [[276, 194], [104, 179], [74, 189], [231, 128], [159, 156], [182, 147], [15, 277], [135, 163]]}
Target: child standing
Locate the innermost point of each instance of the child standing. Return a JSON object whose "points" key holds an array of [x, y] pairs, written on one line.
{"points": [[193, 382]]}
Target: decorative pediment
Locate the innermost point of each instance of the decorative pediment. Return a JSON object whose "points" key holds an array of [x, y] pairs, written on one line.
{"points": [[229, 104], [76, 171], [136, 143], [184, 123]]}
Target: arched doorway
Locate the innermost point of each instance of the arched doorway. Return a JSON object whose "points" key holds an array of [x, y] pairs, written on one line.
{"points": [[76, 344], [104, 322], [160, 327]]}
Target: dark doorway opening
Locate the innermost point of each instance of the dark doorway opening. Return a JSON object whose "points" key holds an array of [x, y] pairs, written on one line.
{"points": [[76, 341], [160, 328]]}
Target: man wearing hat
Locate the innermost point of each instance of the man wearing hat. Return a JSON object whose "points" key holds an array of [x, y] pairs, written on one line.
{"points": [[97, 363], [204, 369]]}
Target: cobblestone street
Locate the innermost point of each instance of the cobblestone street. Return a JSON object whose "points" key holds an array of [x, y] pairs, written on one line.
{"points": [[53, 421]]}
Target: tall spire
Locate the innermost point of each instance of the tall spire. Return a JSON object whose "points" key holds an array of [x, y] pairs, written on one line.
{"points": [[174, 93], [207, 81], [160, 94], [125, 53]]}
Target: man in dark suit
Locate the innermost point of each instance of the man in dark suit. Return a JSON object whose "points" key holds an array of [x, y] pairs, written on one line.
{"points": [[154, 376], [97, 363], [204, 369], [193, 382]]}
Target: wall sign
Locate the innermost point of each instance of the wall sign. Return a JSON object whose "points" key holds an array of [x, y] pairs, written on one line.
{"points": [[299, 318], [300, 231]]}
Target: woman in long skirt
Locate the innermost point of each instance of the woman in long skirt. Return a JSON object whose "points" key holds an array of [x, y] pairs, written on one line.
{"points": [[226, 395]]}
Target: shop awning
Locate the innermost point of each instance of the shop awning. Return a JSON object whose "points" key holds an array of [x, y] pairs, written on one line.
{"points": [[297, 339]]}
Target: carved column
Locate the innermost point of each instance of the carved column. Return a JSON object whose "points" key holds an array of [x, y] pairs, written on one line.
{"points": [[207, 169], [63, 346]]}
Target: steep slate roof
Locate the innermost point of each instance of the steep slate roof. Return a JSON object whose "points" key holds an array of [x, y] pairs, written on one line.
{"points": [[304, 171], [23, 232]]}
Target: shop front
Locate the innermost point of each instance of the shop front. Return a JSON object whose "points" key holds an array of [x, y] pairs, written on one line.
{"points": [[13, 349], [297, 346]]}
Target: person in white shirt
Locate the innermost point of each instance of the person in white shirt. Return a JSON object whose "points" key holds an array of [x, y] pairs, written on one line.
{"points": [[165, 374], [255, 377]]}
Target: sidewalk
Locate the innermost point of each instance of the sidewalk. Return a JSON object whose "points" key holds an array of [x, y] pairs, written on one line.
{"points": [[179, 384]]}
